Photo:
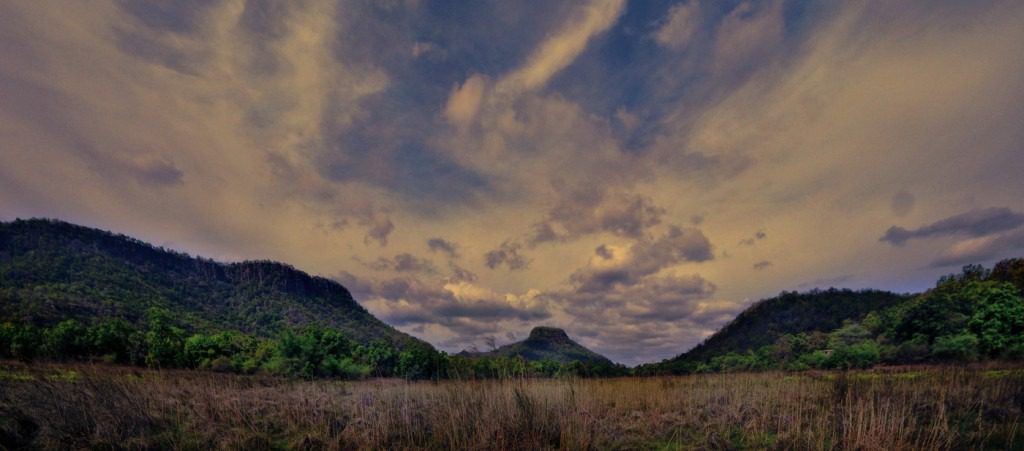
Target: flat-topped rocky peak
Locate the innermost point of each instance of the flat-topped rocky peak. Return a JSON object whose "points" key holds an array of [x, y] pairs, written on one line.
{"points": [[549, 334]]}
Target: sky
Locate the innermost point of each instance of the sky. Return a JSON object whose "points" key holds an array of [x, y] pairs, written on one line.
{"points": [[635, 172]]}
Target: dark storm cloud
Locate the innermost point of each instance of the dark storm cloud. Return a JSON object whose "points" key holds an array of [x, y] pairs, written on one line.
{"points": [[974, 223], [443, 245]]}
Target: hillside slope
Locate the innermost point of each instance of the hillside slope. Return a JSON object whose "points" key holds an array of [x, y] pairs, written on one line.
{"points": [[52, 271], [790, 313], [547, 343]]}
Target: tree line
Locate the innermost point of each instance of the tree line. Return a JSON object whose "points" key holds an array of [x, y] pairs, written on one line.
{"points": [[310, 352]]}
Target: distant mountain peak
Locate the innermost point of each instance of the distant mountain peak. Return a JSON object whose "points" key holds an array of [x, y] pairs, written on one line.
{"points": [[545, 343], [549, 334]]}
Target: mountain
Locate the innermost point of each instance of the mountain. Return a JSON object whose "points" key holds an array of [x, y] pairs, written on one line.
{"points": [[52, 270], [546, 343], [790, 313]]}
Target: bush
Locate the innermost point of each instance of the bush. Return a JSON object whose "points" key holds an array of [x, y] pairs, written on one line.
{"points": [[962, 347], [864, 354], [914, 350], [818, 359]]}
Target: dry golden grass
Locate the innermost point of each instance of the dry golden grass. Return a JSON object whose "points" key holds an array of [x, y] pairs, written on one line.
{"points": [[72, 407]]}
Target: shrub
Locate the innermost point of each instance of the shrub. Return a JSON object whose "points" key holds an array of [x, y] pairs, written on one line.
{"points": [[961, 347]]}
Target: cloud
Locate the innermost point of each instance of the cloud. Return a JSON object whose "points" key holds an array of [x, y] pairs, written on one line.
{"points": [[404, 262], [558, 51], [975, 223], [902, 202], [762, 265], [460, 274], [428, 49], [155, 171], [464, 101], [750, 33], [380, 227], [444, 246], [586, 212], [645, 319], [327, 133], [758, 236], [509, 254], [625, 266], [981, 249], [181, 17], [463, 308], [682, 24]]}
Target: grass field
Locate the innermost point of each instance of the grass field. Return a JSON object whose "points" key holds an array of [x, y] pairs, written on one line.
{"points": [[105, 407]]}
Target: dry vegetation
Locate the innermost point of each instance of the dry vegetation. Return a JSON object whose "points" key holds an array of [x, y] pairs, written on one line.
{"points": [[69, 407]]}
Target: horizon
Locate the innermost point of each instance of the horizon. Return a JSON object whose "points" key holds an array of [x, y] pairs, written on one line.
{"points": [[473, 347], [634, 173]]}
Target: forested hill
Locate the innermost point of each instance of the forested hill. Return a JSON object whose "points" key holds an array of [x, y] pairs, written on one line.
{"points": [[977, 314], [546, 343], [791, 313], [52, 271]]}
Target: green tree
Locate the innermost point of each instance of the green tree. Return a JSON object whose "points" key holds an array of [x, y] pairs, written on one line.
{"points": [[961, 347], [115, 340], [847, 335], [942, 311], [165, 342], [26, 342], [998, 319], [68, 339], [382, 358], [864, 354], [421, 362]]}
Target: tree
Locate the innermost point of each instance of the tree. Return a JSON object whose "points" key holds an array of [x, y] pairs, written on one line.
{"points": [[382, 358], [1011, 270], [164, 342], [68, 339], [998, 319], [847, 335], [962, 347], [421, 362], [864, 354], [26, 342], [942, 311], [115, 340]]}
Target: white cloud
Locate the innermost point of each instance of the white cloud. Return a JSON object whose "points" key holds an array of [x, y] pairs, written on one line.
{"points": [[560, 50], [464, 101], [682, 24]]}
